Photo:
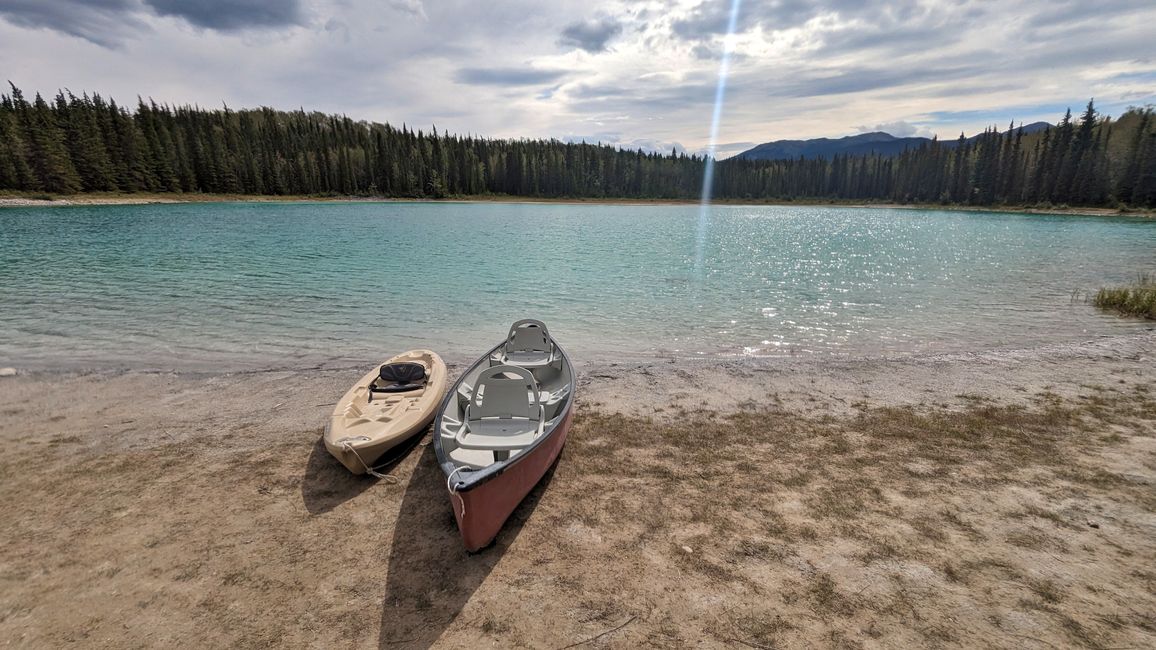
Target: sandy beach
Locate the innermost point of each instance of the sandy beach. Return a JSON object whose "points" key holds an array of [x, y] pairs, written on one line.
{"points": [[998, 499]]}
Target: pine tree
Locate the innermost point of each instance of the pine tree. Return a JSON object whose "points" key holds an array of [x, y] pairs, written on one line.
{"points": [[1126, 184], [1085, 164], [85, 142], [1144, 190], [52, 169]]}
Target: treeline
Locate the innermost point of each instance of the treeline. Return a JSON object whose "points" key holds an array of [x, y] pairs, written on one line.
{"points": [[90, 144], [1088, 162]]}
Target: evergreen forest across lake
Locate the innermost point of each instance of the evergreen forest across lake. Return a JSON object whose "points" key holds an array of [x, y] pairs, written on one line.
{"points": [[88, 143]]}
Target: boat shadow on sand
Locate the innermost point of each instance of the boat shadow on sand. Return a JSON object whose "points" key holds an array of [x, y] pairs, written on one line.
{"points": [[327, 484], [431, 576]]}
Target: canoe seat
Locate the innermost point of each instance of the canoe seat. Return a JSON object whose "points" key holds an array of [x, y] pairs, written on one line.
{"points": [[472, 458], [546, 398], [400, 377], [528, 345], [505, 412], [552, 399]]}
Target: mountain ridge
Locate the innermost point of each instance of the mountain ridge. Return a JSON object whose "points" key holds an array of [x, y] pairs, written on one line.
{"points": [[877, 142]]}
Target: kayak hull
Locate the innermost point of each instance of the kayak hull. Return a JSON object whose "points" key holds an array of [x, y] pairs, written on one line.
{"points": [[362, 430]]}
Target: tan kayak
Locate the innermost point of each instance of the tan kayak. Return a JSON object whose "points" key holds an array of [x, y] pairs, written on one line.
{"points": [[385, 408]]}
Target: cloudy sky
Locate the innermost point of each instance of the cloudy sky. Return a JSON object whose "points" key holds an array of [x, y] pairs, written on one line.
{"points": [[633, 73]]}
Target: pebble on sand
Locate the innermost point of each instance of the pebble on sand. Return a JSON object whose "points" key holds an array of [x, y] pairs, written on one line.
{"points": [[7, 372]]}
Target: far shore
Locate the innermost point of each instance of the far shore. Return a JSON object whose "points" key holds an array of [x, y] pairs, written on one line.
{"points": [[23, 200]]}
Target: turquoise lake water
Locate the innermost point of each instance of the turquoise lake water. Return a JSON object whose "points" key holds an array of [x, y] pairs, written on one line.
{"points": [[239, 285]]}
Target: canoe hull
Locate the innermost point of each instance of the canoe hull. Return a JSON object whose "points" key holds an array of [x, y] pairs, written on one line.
{"points": [[489, 505]]}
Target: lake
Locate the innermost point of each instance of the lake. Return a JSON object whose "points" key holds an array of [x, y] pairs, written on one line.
{"points": [[234, 286]]}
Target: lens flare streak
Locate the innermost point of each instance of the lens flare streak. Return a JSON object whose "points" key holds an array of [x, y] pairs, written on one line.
{"points": [[716, 117]]}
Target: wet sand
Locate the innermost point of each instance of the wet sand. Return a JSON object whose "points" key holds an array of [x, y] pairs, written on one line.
{"points": [[1001, 499]]}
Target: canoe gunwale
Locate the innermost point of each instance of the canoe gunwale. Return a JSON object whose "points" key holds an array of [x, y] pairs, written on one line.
{"points": [[466, 481]]}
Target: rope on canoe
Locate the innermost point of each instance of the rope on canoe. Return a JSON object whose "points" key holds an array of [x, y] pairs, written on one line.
{"points": [[453, 491], [388, 478]]}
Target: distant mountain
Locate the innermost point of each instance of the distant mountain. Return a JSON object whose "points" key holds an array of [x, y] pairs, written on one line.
{"points": [[877, 142]]}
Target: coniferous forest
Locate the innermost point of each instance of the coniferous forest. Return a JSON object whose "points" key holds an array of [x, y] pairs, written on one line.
{"points": [[88, 143]]}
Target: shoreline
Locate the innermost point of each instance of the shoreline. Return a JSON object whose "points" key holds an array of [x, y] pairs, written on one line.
{"points": [[1117, 343], [662, 386], [18, 200]]}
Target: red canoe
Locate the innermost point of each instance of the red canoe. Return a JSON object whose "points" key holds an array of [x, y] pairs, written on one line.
{"points": [[501, 426]]}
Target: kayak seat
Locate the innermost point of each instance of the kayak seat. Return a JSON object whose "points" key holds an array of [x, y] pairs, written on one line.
{"points": [[528, 345], [400, 377], [504, 413]]}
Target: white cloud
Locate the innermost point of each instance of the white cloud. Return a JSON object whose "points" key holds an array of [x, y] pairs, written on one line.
{"points": [[411, 7], [801, 69], [899, 129]]}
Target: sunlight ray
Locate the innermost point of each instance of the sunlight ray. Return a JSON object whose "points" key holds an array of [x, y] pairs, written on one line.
{"points": [[716, 117]]}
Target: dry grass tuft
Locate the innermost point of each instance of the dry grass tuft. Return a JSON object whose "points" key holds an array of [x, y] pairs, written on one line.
{"points": [[1138, 299]]}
